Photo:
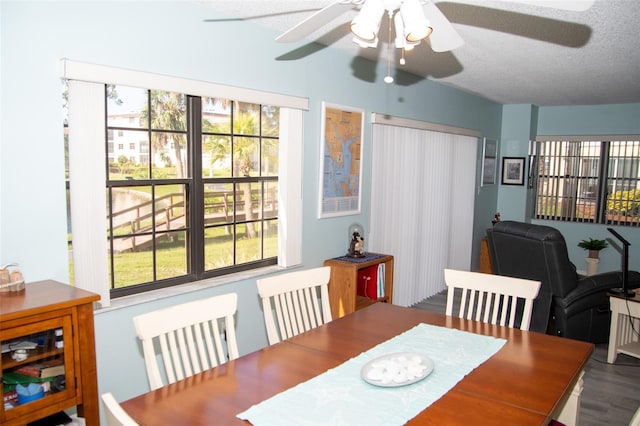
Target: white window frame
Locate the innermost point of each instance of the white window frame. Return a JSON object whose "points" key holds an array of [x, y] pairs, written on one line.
{"points": [[87, 154]]}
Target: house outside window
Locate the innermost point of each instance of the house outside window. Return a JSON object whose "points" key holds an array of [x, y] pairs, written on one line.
{"points": [[588, 181]]}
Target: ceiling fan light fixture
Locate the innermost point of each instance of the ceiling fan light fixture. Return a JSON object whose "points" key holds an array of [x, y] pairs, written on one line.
{"points": [[366, 24], [401, 41], [364, 43], [416, 26]]}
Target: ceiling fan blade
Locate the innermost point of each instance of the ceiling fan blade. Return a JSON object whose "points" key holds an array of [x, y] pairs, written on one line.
{"points": [[444, 37], [313, 22], [574, 5]]}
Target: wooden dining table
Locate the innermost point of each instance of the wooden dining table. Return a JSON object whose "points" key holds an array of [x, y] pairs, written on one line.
{"points": [[531, 380]]}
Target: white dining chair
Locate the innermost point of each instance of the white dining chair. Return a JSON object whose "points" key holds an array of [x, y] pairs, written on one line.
{"points": [[190, 338], [635, 420], [491, 298], [299, 300], [114, 413]]}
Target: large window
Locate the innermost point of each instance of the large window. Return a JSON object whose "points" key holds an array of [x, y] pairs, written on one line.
{"points": [[197, 187], [202, 201], [588, 181]]}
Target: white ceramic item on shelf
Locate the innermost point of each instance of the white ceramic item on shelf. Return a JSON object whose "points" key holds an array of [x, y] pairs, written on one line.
{"points": [[592, 266]]}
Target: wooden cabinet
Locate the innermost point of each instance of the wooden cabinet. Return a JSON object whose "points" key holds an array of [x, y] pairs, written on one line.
{"points": [[52, 322], [485, 259], [343, 285]]}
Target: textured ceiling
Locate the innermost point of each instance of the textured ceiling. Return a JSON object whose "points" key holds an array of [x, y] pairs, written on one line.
{"points": [[513, 53]]}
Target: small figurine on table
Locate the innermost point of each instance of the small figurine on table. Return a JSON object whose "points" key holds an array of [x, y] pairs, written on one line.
{"points": [[496, 219], [356, 248]]}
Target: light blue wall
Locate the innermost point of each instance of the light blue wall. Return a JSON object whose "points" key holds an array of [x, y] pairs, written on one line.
{"points": [[619, 119], [517, 126], [175, 38]]}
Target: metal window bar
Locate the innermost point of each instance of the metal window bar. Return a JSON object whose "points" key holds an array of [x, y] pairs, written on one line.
{"points": [[588, 181], [623, 184], [567, 180]]}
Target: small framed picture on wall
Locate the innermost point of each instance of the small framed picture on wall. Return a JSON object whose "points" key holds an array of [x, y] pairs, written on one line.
{"points": [[513, 170], [489, 161]]}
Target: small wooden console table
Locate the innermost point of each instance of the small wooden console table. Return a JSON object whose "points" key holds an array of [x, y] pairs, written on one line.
{"points": [[345, 274], [625, 326]]}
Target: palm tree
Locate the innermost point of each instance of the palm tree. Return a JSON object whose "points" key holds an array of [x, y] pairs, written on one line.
{"points": [[168, 112]]}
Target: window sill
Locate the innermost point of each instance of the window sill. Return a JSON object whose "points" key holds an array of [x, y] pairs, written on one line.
{"points": [[155, 295]]}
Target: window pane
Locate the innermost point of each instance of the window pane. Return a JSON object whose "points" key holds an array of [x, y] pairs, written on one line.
{"points": [[246, 155], [216, 156], [218, 203], [271, 200], [247, 205], [125, 106], [246, 119], [270, 120], [128, 155], [218, 247], [170, 156], [587, 191], [168, 111], [270, 235], [248, 243], [130, 211], [171, 255], [132, 268], [171, 207], [269, 160], [216, 115]]}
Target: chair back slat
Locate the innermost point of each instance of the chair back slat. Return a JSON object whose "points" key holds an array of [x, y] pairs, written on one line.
{"points": [[305, 305], [315, 315], [298, 300], [490, 298], [188, 338]]}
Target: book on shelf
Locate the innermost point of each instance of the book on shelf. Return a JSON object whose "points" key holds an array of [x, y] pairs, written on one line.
{"points": [[13, 378], [10, 395], [44, 369], [381, 275]]}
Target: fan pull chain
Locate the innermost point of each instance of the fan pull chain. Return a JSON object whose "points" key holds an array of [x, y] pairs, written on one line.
{"points": [[389, 79]]}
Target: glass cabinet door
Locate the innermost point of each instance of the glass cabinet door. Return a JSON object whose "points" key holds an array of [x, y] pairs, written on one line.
{"points": [[36, 365]]}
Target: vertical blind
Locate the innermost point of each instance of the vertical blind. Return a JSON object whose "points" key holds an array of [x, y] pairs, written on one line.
{"points": [[422, 198]]}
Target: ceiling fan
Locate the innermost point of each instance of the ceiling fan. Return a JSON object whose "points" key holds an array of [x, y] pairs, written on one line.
{"points": [[435, 28]]}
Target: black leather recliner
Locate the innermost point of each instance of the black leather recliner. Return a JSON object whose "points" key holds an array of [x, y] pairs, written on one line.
{"points": [[568, 304]]}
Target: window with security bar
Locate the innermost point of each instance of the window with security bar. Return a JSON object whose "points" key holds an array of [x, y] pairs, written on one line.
{"points": [[588, 181]]}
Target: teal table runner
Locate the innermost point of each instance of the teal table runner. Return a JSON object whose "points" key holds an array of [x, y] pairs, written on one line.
{"points": [[340, 396]]}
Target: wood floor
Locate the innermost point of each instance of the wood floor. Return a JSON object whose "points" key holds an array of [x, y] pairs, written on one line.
{"points": [[611, 393]]}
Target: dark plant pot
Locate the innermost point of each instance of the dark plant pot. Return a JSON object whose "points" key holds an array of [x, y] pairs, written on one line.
{"points": [[594, 254]]}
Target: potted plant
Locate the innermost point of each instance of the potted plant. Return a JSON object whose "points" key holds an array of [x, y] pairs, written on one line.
{"points": [[594, 246]]}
